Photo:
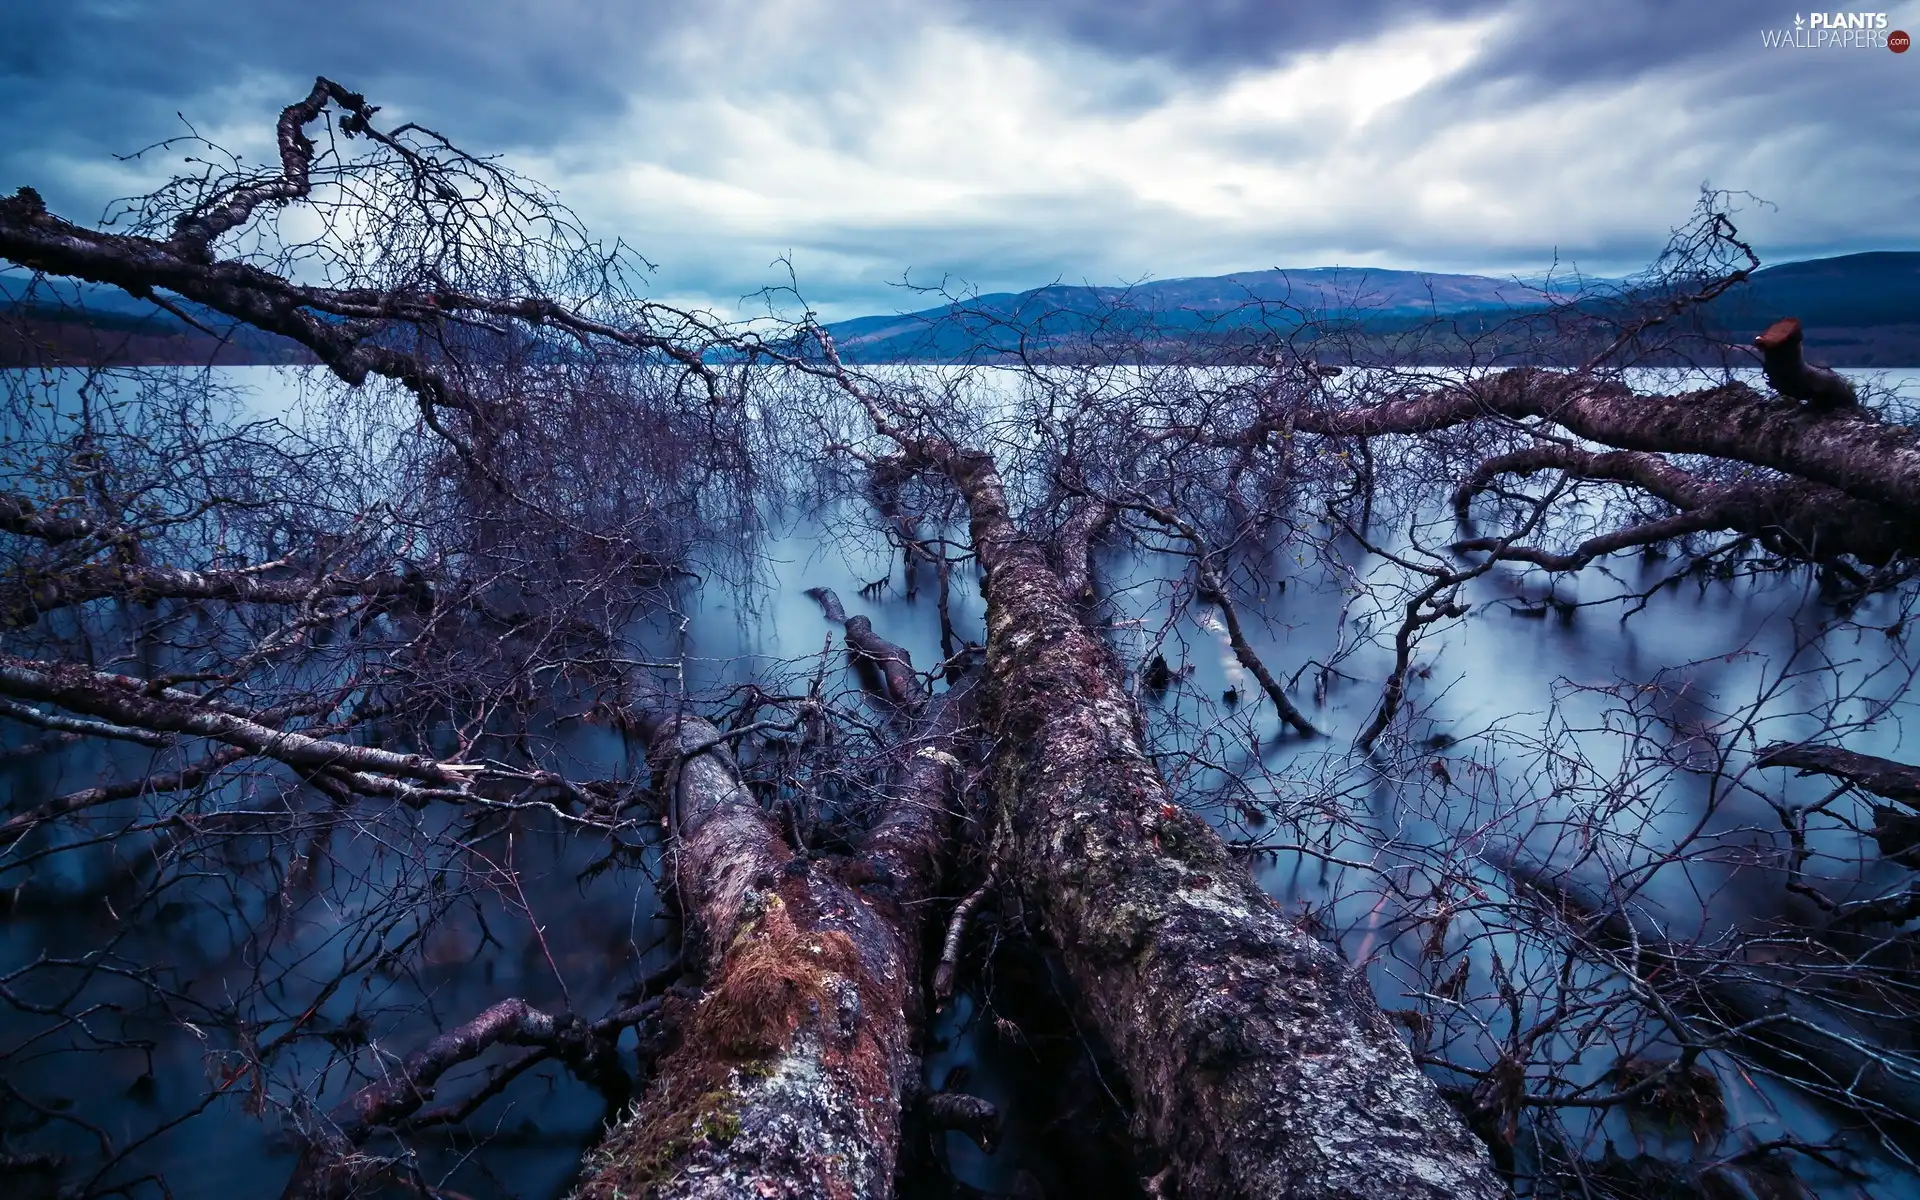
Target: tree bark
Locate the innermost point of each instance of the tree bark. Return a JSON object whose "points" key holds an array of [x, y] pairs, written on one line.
{"points": [[900, 683], [1783, 355], [1086, 522], [1257, 1059], [22, 605], [1847, 450], [1881, 776], [136, 703], [1809, 520], [791, 1069]]}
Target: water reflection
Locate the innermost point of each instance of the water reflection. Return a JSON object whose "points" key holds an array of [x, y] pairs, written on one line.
{"points": [[1498, 697]]}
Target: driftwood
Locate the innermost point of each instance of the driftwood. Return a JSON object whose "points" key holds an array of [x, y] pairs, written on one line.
{"points": [[1255, 1057], [901, 684], [948, 968]]}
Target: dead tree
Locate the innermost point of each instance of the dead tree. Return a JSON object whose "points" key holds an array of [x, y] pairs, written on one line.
{"points": [[320, 643], [332, 1165], [366, 641], [1770, 1010], [1851, 485], [1256, 1059], [794, 1065], [1881, 776]]}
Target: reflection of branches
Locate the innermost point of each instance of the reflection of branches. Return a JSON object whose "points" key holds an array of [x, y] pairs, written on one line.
{"points": [[1210, 586]]}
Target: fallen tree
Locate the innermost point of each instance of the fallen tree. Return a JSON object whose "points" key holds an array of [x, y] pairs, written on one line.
{"points": [[1256, 1059], [1796, 518], [1881, 776], [1848, 449], [792, 1069], [1834, 480]]}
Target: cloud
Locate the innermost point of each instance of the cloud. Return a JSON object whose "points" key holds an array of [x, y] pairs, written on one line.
{"points": [[1210, 35], [1012, 143]]}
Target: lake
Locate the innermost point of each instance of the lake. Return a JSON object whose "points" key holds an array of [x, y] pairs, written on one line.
{"points": [[1543, 714]]}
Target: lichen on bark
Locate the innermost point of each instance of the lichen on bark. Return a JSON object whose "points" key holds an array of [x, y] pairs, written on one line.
{"points": [[1256, 1058], [791, 1068]]}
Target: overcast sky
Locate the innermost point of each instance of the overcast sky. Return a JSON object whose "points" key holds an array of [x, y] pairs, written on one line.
{"points": [[1010, 143]]}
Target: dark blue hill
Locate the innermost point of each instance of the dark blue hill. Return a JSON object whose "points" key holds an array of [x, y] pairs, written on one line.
{"points": [[1864, 306]]}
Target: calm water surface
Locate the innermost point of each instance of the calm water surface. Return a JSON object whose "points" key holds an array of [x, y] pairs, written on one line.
{"points": [[1505, 685]]}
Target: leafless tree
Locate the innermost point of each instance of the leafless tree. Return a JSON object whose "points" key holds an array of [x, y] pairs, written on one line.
{"points": [[360, 676]]}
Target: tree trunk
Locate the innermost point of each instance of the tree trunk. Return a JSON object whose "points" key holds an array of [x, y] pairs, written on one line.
{"points": [[1806, 520], [1257, 1059], [791, 1069], [1847, 449], [1881, 776], [1782, 353]]}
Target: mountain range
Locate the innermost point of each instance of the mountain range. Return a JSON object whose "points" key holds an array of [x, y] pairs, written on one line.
{"points": [[1858, 309]]}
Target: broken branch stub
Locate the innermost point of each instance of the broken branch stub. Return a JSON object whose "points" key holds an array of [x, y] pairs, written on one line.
{"points": [[1783, 356]]}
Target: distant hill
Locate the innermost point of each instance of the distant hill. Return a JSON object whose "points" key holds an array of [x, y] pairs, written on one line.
{"points": [[1176, 308], [54, 322], [1881, 287], [1859, 310]]}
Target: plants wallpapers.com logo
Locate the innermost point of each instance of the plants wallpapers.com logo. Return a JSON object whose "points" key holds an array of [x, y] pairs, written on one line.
{"points": [[1837, 31]]}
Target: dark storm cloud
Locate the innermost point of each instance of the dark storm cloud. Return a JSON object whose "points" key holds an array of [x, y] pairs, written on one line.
{"points": [[94, 78], [1556, 41], [1559, 45], [721, 135], [1553, 44], [1207, 35]]}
